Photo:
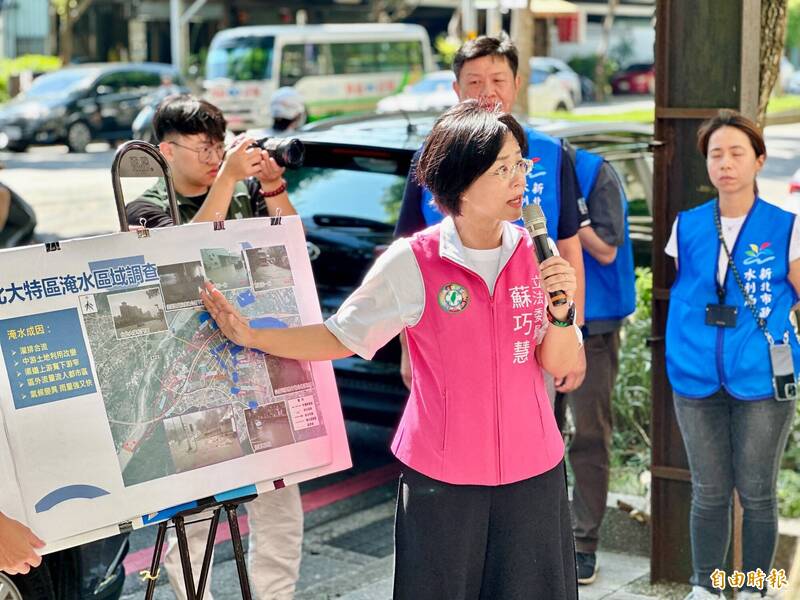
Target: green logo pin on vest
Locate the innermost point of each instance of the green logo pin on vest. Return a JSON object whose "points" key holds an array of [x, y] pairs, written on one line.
{"points": [[453, 298]]}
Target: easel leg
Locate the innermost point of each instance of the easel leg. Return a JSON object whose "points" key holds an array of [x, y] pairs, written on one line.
{"points": [[154, 565], [238, 551], [186, 559], [207, 557]]}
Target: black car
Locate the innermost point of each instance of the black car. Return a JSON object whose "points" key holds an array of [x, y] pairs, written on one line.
{"points": [[349, 194], [79, 104]]}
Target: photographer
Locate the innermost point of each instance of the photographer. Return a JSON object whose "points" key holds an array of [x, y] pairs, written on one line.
{"points": [[213, 184]]}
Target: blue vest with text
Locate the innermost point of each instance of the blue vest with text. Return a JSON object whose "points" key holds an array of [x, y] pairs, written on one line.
{"points": [[610, 289], [702, 358], [543, 185]]}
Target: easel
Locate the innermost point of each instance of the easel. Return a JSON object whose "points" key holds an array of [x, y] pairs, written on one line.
{"points": [[192, 592], [140, 159]]}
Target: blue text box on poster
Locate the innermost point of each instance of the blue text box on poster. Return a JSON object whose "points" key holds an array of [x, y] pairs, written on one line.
{"points": [[46, 357]]}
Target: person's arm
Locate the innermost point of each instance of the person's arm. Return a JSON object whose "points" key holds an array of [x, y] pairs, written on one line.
{"points": [[596, 247], [241, 161], [390, 297], [309, 342], [606, 208], [141, 213], [18, 546], [409, 222], [410, 219], [270, 177], [560, 350], [572, 219], [5, 205], [570, 249], [794, 276]]}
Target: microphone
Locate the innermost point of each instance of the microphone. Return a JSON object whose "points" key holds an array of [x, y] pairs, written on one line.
{"points": [[536, 225]]}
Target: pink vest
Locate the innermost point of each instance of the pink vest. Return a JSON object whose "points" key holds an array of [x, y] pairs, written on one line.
{"points": [[478, 412]]}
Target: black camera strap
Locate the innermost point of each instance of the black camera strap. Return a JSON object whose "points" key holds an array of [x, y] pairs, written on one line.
{"points": [[749, 301]]}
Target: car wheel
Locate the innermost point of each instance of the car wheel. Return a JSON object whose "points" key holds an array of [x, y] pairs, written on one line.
{"points": [[78, 136], [16, 148], [36, 585], [561, 107]]}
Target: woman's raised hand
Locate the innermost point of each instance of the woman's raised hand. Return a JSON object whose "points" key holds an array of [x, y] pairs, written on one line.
{"points": [[230, 322]]}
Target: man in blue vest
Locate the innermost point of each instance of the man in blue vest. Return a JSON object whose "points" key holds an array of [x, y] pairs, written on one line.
{"points": [[486, 69], [610, 297]]}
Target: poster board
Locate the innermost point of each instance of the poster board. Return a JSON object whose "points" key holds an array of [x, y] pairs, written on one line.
{"points": [[120, 398]]}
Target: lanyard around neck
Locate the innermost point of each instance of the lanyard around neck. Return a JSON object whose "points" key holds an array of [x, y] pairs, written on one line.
{"points": [[749, 301]]}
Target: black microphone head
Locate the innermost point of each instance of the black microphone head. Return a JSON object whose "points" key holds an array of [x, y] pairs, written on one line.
{"points": [[534, 219]]}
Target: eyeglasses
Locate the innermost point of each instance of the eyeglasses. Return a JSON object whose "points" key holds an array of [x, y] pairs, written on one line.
{"points": [[208, 155], [524, 165]]}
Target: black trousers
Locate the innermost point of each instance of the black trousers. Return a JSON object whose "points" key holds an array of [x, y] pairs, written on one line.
{"points": [[473, 542]]}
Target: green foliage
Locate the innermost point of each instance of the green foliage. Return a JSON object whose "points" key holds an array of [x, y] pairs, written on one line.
{"points": [[36, 63], [586, 65], [793, 24], [631, 399], [789, 493], [446, 48]]}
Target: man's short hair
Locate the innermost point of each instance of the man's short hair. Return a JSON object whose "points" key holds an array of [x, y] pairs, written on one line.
{"points": [[187, 115], [462, 146], [486, 46]]}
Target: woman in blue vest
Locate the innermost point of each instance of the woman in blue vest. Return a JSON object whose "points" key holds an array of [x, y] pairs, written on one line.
{"points": [[730, 349]]}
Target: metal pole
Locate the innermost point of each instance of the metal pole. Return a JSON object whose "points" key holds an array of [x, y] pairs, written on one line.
{"points": [[152, 576], [186, 558], [494, 21], [238, 551], [207, 557], [176, 39], [469, 19]]}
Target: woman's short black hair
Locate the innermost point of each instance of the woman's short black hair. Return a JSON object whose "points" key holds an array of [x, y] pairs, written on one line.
{"points": [[187, 115], [462, 146]]}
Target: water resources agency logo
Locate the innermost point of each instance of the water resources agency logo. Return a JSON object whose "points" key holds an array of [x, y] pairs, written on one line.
{"points": [[453, 298], [758, 255]]}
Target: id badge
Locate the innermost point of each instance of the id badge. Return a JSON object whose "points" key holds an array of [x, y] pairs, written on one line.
{"points": [[783, 378], [721, 315]]}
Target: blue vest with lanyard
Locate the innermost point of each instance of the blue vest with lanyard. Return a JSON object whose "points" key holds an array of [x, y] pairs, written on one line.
{"points": [[702, 358], [610, 289], [543, 184]]}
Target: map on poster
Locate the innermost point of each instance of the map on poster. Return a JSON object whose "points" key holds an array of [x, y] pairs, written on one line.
{"points": [[138, 401]]}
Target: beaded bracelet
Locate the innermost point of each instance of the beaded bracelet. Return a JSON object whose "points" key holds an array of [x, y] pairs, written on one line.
{"points": [[276, 192]]}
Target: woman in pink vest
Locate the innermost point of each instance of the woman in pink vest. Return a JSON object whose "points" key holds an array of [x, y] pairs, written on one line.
{"points": [[482, 507]]}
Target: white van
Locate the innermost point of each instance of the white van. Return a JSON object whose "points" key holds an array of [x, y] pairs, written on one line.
{"points": [[336, 68]]}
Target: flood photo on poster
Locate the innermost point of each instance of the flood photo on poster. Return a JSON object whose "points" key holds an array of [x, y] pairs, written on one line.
{"points": [[225, 268], [204, 437], [269, 267], [268, 426], [181, 283], [137, 312]]}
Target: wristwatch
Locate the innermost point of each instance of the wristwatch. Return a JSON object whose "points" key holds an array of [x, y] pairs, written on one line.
{"points": [[570, 319]]}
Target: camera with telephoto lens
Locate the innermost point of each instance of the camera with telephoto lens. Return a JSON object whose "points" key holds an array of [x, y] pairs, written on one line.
{"points": [[287, 152]]}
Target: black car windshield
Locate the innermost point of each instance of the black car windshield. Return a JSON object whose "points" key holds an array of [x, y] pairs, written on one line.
{"points": [[341, 192], [241, 59], [59, 83]]}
